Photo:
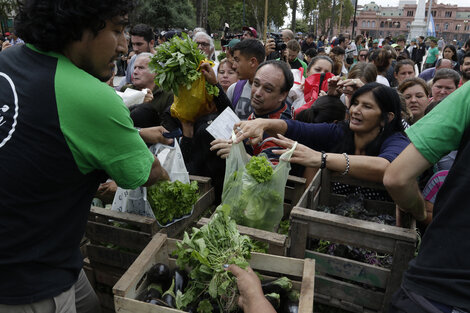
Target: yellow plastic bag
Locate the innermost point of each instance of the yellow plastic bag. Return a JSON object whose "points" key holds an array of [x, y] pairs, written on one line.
{"points": [[192, 103]]}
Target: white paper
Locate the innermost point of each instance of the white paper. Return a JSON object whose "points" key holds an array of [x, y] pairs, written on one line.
{"points": [[131, 96], [222, 126]]}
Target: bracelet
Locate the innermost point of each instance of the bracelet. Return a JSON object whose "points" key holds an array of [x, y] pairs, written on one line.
{"points": [[323, 160], [346, 156], [138, 129]]}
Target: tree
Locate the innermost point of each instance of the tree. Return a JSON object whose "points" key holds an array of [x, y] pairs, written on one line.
{"points": [[294, 13], [7, 7], [307, 7], [347, 13], [301, 26], [165, 14], [324, 14]]}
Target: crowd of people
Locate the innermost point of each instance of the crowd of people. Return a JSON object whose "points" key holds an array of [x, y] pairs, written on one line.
{"points": [[380, 111]]}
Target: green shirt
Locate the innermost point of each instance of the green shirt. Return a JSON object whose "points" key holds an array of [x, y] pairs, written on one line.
{"points": [[441, 130], [433, 54]]}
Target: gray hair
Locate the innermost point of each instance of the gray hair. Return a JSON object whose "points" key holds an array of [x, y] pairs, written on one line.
{"points": [[205, 35], [144, 54]]}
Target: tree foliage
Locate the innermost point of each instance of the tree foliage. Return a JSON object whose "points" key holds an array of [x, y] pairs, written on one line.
{"points": [[231, 12], [165, 14], [7, 7]]}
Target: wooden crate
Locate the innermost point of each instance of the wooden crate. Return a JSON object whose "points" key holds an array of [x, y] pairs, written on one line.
{"points": [[113, 249], [277, 243], [340, 282], [133, 282]]}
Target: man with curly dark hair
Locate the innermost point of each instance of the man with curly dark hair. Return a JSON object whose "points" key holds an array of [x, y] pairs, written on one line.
{"points": [[62, 132]]}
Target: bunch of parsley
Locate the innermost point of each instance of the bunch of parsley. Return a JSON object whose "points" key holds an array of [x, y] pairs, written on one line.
{"points": [[176, 64], [205, 252], [172, 200]]}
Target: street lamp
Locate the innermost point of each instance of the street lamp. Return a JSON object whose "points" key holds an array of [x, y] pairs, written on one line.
{"points": [[354, 20], [315, 15]]}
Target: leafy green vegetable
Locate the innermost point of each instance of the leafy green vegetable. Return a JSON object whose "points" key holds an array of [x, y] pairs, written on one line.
{"points": [[284, 227], [204, 306], [205, 252], [176, 64], [260, 169], [171, 200], [251, 206], [221, 56]]}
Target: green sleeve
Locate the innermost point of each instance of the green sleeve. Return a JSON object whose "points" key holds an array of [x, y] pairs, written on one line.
{"points": [[98, 129], [441, 130]]}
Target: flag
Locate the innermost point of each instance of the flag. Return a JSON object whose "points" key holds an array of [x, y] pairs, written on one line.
{"points": [[431, 27]]}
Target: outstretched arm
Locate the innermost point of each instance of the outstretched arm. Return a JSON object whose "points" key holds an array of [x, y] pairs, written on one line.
{"points": [[400, 181]]}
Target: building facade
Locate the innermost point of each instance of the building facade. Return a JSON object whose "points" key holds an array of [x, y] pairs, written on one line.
{"points": [[451, 21]]}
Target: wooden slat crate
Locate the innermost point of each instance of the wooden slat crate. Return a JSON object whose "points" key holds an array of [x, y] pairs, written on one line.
{"points": [[340, 282], [133, 282], [112, 249], [277, 243]]}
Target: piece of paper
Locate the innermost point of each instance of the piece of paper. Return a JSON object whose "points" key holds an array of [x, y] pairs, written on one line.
{"points": [[222, 126], [131, 96]]}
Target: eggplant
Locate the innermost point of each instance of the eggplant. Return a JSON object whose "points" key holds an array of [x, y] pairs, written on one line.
{"points": [[274, 299], [290, 307], [158, 302], [280, 286], [159, 274], [191, 309], [154, 291], [181, 280], [169, 300]]}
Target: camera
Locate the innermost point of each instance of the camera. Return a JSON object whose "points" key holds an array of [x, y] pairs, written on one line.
{"points": [[227, 37], [280, 44]]}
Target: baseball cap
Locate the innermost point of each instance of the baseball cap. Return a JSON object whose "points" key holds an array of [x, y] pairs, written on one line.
{"points": [[413, 40], [232, 43], [7, 34], [252, 30], [394, 45], [375, 41]]}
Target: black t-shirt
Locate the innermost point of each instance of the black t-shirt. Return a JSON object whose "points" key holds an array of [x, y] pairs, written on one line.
{"points": [[60, 130], [305, 46], [441, 271]]}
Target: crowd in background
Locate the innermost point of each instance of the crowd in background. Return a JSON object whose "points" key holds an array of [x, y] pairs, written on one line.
{"points": [[346, 101]]}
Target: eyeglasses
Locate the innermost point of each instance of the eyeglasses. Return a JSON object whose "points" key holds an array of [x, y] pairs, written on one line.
{"points": [[204, 44], [363, 55]]}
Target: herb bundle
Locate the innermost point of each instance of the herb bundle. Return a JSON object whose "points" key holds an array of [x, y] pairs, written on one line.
{"points": [[205, 252], [172, 200], [176, 64]]}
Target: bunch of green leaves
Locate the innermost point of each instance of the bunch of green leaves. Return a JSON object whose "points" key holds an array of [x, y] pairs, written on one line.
{"points": [[259, 168], [205, 252], [171, 200], [250, 205], [176, 65]]}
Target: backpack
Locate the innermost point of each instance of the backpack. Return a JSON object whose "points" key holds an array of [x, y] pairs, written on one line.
{"points": [[237, 93]]}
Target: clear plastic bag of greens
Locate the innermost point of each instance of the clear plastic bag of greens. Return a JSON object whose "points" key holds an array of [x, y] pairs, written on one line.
{"points": [[254, 188]]}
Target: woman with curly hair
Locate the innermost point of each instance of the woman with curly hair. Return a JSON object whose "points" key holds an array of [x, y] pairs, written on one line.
{"points": [[362, 147]]}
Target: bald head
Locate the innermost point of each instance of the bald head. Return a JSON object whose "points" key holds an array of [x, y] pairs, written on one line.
{"points": [[287, 35], [445, 63]]}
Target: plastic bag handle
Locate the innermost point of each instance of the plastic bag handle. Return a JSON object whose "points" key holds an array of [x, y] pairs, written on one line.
{"points": [[288, 154]]}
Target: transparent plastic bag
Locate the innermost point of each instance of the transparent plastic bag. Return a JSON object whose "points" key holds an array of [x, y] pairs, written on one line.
{"points": [[254, 204], [135, 201]]}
